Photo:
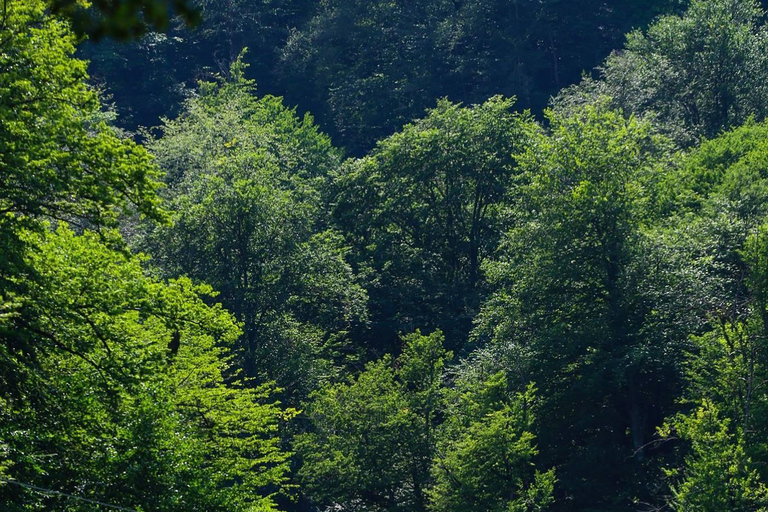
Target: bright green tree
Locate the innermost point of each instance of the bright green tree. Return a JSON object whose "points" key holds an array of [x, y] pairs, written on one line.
{"points": [[129, 404], [715, 200], [112, 383], [484, 459], [717, 475], [57, 160]]}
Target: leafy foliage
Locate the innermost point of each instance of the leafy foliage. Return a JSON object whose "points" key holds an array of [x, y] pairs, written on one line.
{"points": [[58, 161], [245, 180], [371, 438], [484, 459], [113, 383], [696, 75], [130, 418], [123, 19], [574, 299], [374, 65], [604, 290], [423, 211], [378, 438], [366, 68], [718, 474]]}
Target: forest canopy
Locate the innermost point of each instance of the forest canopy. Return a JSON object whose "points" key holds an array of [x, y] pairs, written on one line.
{"points": [[368, 256]]}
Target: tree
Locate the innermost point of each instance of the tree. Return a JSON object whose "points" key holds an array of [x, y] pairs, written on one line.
{"points": [[121, 19], [245, 180], [58, 160], [371, 440], [484, 459], [696, 75], [531, 49], [397, 437], [132, 419], [111, 383], [423, 212], [228, 26], [719, 202], [365, 68], [575, 299], [370, 63], [149, 76], [718, 475], [712, 237]]}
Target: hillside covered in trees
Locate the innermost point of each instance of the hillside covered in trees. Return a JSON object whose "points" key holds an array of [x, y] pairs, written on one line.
{"points": [[383, 256]]}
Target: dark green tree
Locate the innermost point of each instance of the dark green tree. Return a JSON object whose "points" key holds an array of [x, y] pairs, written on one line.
{"points": [[424, 210], [531, 49], [576, 302], [123, 19], [365, 68], [371, 65], [245, 180], [696, 74]]}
